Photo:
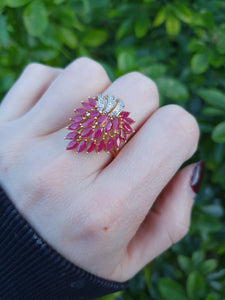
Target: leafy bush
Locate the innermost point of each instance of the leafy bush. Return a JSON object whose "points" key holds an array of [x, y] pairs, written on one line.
{"points": [[180, 45]]}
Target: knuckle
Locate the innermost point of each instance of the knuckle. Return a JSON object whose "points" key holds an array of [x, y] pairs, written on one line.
{"points": [[37, 68], [90, 65], [145, 84], [184, 126], [33, 67]]}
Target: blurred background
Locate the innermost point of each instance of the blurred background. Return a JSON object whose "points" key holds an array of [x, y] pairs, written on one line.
{"points": [[181, 46]]}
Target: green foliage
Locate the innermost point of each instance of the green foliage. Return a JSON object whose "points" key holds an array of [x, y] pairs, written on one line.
{"points": [[180, 45]]}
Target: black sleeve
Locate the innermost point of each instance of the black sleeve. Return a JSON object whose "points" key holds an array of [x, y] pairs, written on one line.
{"points": [[31, 269]]}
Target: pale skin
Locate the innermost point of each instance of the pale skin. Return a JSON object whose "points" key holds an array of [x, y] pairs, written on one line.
{"points": [[95, 210]]}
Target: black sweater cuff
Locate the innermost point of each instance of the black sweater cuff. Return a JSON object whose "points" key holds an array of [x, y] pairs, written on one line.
{"points": [[31, 269]]}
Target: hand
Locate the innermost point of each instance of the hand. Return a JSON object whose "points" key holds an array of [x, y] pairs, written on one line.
{"points": [[94, 210]]}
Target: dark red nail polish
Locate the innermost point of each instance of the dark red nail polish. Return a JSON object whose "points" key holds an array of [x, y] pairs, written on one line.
{"points": [[197, 176]]}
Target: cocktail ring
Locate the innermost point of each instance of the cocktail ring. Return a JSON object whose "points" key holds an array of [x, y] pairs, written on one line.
{"points": [[101, 124]]}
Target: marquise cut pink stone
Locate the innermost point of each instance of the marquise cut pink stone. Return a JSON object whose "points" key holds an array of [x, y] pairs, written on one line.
{"points": [[72, 145], [127, 128], [77, 119], [116, 123], [81, 111], [88, 122], [72, 135], [117, 141], [81, 146], [74, 126], [91, 147], [128, 120], [108, 126], [92, 102], [97, 133], [124, 114], [102, 119], [86, 132], [109, 144], [87, 105], [94, 113], [100, 146], [123, 135]]}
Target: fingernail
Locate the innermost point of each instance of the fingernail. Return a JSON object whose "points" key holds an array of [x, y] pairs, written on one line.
{"points": [[197, 176]]}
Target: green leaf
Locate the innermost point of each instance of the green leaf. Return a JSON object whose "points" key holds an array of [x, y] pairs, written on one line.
{"points": [[3, 3], [124, 28], [172, 88], [211, 111], [195, 285], [169, 289], [68, 37], [126, 59], [183, 13], [218, 134], [197, 257], [220, 46], [154, 70], [16, 3], [172, 25], [35, 18], [213, 97], [208, 266], [141, 26], [160, 17], [199, 63], [212, 296], [95, 37], [184, 262], [4, 36]]}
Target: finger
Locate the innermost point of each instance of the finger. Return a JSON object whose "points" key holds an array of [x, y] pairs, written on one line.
{"points": [[82, 78], [165, 224], [27, 90], [149, 161], [140, 96]]}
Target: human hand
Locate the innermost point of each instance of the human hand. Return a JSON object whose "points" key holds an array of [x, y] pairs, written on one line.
{"points": [[94, 210]]}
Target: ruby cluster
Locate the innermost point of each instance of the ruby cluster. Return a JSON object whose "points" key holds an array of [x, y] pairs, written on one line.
{"points": [[93, 130]]}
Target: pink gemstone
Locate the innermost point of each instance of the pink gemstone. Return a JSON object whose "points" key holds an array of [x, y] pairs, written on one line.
{"points": [[81, 111], [128, 120], [72, 135], [87, 105], [117, 141], [109, 144], [94, 113], [81, 146], [127, 128], [77, 119], [124, 114], [90, 147], [88, 122], [74, 126], [108, 126], [97, 133], [72, 145], [123, 135], [92, 102], [116, 123], [100, 146], [86, 132], [103, 119]]}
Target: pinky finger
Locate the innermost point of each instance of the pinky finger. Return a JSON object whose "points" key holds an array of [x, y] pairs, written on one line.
{"points": [[168, 221]]}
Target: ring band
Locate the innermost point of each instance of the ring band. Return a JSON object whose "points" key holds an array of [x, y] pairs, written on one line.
{"points": [[101, 124]]}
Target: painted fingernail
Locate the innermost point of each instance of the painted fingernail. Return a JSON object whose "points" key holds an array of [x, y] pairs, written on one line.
{"points": [[197, 176]]}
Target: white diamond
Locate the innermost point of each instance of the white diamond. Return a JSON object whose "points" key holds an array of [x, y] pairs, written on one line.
{"points": [[119, 107], [101, 102]]}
